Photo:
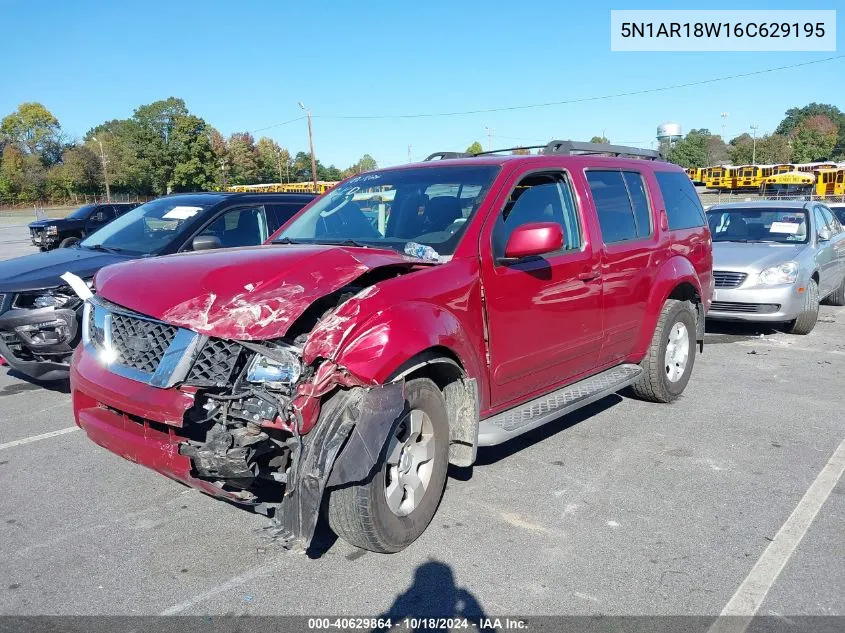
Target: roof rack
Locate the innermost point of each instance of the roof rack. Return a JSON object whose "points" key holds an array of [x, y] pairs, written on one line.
{"points": [[567, 148]]}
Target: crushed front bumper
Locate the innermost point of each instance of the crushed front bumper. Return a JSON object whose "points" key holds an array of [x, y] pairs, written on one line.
{"points": [[39, 343], [770, 304]]}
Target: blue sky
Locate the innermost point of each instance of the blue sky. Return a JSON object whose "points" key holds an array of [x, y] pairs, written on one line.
{"points": [[245, 65]]}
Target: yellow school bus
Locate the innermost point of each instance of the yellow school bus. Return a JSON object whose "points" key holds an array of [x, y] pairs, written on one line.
{"points": [[696, 174], [285, 187], [830, 182], [717, 177], [789, 182]]}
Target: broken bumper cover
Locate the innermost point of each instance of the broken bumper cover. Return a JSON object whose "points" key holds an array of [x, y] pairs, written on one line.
{"points": [[38, 343]]}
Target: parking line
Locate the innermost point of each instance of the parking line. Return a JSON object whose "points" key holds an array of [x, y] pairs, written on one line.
{"points": [[35, 438], [752, 592]]}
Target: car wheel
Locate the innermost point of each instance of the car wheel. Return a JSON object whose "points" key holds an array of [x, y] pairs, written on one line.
{"points": [[671, 354], [393, 508], [68, 242], [837, 297], [806, 321]]}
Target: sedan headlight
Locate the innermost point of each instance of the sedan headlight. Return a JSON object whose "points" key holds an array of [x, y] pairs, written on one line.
{"points": [[276, 373], [785, 273], [53, 298]]}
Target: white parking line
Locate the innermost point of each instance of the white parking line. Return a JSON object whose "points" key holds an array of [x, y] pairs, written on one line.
{"points": [[750, 595], [35, 438]]}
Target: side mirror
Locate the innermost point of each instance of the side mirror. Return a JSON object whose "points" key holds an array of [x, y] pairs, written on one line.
{"points": [[534, 238], [824, 234], [206, 242]]}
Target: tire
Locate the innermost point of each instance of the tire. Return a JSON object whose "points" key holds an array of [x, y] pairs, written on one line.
{"points": [[361, 515], [837, 297], [68, 242], [663, 381], [806, 321]]}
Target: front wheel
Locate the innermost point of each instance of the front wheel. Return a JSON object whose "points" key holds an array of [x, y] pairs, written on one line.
{"points": [[393, 508], [68, 242], [671, 354], [806, 321]]}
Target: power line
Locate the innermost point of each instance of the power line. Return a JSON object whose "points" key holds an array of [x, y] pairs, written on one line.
{"points": [[261, 129], [581, 99]]}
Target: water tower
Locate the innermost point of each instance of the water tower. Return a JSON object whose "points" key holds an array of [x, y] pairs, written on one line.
{"points": [[667, 135]]}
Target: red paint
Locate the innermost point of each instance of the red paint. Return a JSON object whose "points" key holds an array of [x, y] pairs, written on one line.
{"points": [[535, 238], [519, 329], [247, 294]]}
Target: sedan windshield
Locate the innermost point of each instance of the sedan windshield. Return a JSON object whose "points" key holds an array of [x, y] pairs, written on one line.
{"points": [[785, 226], [150, 228], [401, 209]]}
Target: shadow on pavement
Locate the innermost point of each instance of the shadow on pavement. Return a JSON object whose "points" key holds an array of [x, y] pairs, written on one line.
{"points": [[30, 384], [433, 595]]}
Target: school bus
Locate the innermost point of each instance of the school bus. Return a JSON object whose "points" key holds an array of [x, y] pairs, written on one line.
{"points": [[830, 182], [717, 177], [696, 174], [747, 177], [814, 167], [285, 187], [789, 182]]}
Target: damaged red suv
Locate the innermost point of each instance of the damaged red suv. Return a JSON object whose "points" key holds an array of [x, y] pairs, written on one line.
{"points": [[393, 326]]}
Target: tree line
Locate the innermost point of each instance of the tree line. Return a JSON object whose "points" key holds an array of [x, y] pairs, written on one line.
{"points": [[161, 148], [813, 133]]}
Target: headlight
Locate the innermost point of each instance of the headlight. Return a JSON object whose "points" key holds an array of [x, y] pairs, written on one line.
{"points": [[275, 373], [52, 230], [785, 273], [56, 298]]}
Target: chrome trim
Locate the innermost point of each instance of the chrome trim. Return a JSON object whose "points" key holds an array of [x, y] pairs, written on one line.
{"points": [[174, 365]]}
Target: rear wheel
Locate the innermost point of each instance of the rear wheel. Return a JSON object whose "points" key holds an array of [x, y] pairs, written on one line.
{"points": [[837, 297], [806, 321], [671, 355], [68, 242], [392, 509]]}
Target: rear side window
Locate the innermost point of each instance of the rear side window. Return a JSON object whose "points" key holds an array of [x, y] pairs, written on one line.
{"points": [[621, 204], [683, 208]]}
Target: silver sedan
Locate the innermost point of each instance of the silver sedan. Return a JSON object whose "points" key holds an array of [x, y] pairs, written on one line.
{"points": [[774, 261]]}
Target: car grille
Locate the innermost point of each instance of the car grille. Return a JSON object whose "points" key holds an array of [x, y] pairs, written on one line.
{"points": [[215, 363], [138, 343], [728, 279], [748, 308]]}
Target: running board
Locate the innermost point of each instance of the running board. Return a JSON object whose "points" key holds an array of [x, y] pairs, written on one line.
{"points": [[525, 417]]}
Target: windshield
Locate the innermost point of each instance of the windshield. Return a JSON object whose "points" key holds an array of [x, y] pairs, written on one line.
{"points": [[786, 226], [399, 209], [150, 228], [82, 212]]}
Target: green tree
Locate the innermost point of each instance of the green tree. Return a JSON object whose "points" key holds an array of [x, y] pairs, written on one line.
{"points": [[795, 116], [190, 144], [243, 159], [814, 139], [301, 170], [699, 148], [600, 139], [475, 148], [33, 128], [78, 173], [273, 161]]}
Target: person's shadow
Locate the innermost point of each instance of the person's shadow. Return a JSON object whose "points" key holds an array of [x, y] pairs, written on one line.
{"points": [[433, 595]]}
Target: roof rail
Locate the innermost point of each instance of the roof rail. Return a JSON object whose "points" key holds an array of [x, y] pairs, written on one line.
{"points": [[574, 148], [445, 155]]}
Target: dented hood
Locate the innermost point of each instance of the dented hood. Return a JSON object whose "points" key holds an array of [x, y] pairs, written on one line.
{"points": [[247, 293]]}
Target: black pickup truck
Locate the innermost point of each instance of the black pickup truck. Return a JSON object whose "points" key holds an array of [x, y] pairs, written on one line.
{"points": [[39, 313], [63, 232]]}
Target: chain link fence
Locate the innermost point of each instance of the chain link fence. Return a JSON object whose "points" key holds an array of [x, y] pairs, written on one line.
{"points": [[709, 198]]}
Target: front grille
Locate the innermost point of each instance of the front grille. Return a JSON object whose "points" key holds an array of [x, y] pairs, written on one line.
{"points": [[215, 363], [747, 308], [728, 279], [138, 343]]}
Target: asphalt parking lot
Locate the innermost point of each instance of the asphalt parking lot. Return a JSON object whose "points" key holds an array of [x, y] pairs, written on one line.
{"points": [[623, 508]]}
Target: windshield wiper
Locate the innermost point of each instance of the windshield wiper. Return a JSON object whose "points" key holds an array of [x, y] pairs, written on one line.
{"points": [[346, 242], [285, 240], [105, 249]]}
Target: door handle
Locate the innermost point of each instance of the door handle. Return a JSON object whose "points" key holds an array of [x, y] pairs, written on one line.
{"points": [[589, 275]]}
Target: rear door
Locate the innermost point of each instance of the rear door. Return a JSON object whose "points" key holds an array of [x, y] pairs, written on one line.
{"points": [[543, 313], [827, 258], [837, 243], [624, 210]]}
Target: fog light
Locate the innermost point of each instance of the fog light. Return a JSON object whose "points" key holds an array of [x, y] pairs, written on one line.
{"points": [[49, 333]]}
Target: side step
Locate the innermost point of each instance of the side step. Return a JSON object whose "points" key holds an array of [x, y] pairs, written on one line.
{"points": [[525, 417]]}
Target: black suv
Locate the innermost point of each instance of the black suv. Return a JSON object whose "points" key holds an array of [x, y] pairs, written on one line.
{"points": [[64, 232], [40, 314]]}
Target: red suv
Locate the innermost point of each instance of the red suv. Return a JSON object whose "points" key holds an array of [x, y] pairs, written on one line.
{"points": [[393, 326]]}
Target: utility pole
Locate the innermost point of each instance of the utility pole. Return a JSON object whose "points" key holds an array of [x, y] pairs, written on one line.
{"points": [[489, 138], [311, 147], [724, 116], [754, 144], [105, 171], [279, 156], [409, 154], [223, 171]]}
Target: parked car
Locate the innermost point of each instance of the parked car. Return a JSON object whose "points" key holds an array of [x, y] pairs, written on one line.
{"points": [[64, 232], [358, 356], [40, 314], [775, 260]]}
